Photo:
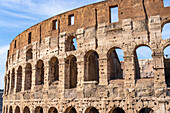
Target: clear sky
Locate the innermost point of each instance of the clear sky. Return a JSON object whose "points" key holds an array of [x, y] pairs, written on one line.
{"points": [[18, 15]]}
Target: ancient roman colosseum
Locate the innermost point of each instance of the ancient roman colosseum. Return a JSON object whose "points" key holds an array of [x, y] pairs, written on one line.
{"points": [[47, 72]]}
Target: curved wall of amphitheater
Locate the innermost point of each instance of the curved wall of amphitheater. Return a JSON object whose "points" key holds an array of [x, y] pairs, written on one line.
{"points": [[45, 73]]}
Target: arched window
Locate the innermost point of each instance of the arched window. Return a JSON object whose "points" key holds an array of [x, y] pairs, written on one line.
{"points": [[17, 110], [52, 110], [143, 62], [146, 110], [10, 109], [70, 110], [71, 72], [115, 64], [6, 78], [91, 110], [19, 79], [117, 110], [28, 76], [165, 31], [29, 54], [38, 110], [71, 44], [167, 65], [39, 73], [8, 84], [6, 109], [26, 110], [13, 79], [53, 70], [91, 66]]}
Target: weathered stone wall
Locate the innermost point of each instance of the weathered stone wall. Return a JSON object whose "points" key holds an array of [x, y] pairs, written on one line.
{"points": [[79, 80]]}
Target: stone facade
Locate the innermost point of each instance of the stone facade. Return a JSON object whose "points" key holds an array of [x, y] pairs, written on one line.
{"points": [[46, 73]]}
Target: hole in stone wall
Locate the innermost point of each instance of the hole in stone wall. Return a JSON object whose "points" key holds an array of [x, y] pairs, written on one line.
{"points": [[15, 44], [38, 110], [29, 54], [26, 110], [8, 84], [71, 44], [143, 62], [91, 66], [55, 25], [146, 110], [54, 70], [91, 110], [71, 72], [117, 110], [52, 110], [17, 110], [19, 79], [114, 15], [165, 31], [29, 38], [167, 65], [39, 73], [13, 79], [71, 19], [28, 76], [115, 64], [10, 109], [70, 110], [166, 3]]}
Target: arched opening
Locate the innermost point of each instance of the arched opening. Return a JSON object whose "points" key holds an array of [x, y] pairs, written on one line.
{"points": [[8, 84], [91, 110], [53, 70], [17, 110], [143, 62], [91, 66], [13, 79], [19, 79], [39, 73], [115, 64], [26, 110], [6, 78], [29, 54], [28, 76], [10, 109], [117, 110], [71, 72], [52, 110], [167, 65], [146, 110], [38, 110], [70, 110], [71, 44], [6, 109]]}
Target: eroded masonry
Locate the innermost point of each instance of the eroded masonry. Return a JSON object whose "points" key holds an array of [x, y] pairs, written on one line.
{"points": [[69, 63]]}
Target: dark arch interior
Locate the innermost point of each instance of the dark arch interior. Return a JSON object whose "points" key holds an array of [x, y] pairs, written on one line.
{"points": [[115, 69], [92, 67], [117, 110], [71, 110], [71, 72], [52, 110], [39, 110], [29, 54], [54, 70], [17, 110], [146, 110], [19, 79], [26, 110], [28, 76], [10, 109], [91, 110], [13, 79], [40, 73], [167, 65], [71, 44]]}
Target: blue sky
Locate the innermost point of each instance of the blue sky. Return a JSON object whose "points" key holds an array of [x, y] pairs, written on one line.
{"points": [[18, 15]]}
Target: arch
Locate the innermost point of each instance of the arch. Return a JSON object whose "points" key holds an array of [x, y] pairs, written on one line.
{"points": [[7, 109], [6, 79], [117, 110], [71, 43], [91, 110], [70, 110], [13, 79], [143, 62], [39, 110], [39, 73], [29, 54], [28, 76], [91, 66], [10, 109], [53, 70], [146, 110], [19, 79], [115, 60], [52, 110], [71, 72], [8, 84], [26, 110], [17, 110], [167, 65]]}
